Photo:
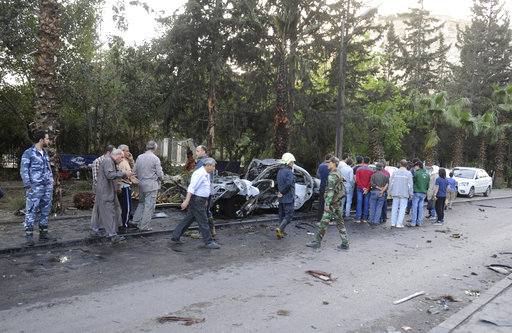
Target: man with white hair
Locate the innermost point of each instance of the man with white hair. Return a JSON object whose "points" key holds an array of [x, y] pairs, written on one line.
{"points": [[286, 193], [106, 188], [198, 192], [149, 173]]}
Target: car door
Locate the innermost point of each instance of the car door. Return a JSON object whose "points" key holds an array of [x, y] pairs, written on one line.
{"points": [[481, 181]]}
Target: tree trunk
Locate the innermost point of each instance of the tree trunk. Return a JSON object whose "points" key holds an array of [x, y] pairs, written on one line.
{"points": [[45, 104], [212, 104], [430, 151], [378, 150], [459, 144], [483, 153], [499, 176], [281, 125]]}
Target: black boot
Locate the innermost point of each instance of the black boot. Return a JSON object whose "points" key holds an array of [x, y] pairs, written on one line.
{"points": [[30, 238], [45, 236]]}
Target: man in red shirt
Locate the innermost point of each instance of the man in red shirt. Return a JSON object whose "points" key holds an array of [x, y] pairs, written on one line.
{"points": [[363, 175]]}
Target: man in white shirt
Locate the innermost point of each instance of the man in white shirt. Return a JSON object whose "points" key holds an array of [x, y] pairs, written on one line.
{"points": [[197, 198]]}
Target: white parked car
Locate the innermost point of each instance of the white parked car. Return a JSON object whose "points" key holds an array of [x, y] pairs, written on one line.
{"points": [[472, 181]]}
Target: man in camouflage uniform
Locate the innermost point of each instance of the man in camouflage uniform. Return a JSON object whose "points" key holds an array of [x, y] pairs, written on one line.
{"points": [[333, 207], [37, 177]]}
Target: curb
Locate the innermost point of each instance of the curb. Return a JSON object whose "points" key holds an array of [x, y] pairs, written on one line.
{"points": [[87, 240], [457, 320]]}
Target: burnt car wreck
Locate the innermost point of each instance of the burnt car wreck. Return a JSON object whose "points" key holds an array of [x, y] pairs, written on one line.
{"points": [[234, 196]]}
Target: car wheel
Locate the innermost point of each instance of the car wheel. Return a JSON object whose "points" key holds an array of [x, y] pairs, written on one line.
{"points": [[487, 192], [471, 192]]}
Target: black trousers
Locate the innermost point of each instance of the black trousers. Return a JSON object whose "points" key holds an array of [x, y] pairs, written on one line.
{"points": [[321, 204], [440, 208], [196, 211], [125, 200]]}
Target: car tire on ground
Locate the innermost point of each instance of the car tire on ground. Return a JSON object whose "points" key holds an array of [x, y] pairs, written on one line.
{"points": [[471, 192], [488, 191]]}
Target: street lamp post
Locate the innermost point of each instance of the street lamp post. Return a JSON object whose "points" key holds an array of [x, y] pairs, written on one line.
{"points": [[341, 89]]}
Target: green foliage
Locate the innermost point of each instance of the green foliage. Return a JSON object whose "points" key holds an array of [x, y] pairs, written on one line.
{"points": [[17, 203]]}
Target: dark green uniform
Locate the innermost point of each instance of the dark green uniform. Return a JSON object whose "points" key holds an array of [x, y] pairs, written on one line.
{"points": [[333, 201]]}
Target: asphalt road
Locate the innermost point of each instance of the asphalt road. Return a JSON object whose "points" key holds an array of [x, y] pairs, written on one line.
{"points": [[256, 283]]}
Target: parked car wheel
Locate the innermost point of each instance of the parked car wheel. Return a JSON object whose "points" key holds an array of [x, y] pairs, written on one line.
{"points": [[471, 192], [487, 192]]}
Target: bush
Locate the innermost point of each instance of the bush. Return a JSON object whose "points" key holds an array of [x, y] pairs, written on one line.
{"points": [[17, 203], [83, 200]]}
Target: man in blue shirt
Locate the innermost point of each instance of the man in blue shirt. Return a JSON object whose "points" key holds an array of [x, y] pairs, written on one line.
{"points": [[286, 194], [37, 177], [198, 192]]}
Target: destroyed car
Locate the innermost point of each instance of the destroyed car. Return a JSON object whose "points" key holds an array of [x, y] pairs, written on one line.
{"points": [[234, 196]]}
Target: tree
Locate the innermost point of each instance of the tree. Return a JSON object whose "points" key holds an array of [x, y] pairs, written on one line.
{"points": [[485, 124], [502, 106], [45, 104], [485, 54], [418, 57], [435, 108], [460, 117]]}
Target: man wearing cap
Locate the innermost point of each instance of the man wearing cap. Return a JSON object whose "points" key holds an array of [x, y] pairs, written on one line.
{"points": [[421, 180], [286, 193], [333, 208]]}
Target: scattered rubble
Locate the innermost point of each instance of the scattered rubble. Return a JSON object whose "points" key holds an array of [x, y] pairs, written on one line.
{"points": [[405, 299], [188, 320]]}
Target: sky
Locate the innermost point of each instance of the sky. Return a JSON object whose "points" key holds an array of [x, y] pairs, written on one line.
{"points": [[142, 25]]}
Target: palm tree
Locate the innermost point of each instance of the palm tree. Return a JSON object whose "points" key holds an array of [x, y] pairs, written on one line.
{"points": [[460, 117], [45, 104], [435, 107], [285, 23], [502, 104], [484, 124], [378, 119]]}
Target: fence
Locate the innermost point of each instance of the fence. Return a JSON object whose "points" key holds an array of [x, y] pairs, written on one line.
{"points": [[175, 150]]}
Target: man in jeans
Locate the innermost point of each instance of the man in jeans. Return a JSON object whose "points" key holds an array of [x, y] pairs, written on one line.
{"points": [[379, 182], [421, 180], [149, 173], [363, 175], [400, 188], [348, 174]]}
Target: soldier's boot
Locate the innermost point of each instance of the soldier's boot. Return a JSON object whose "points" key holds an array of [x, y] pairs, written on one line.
{"points": [[280, 230], [30, 237], [313, 243], [45, 236]]}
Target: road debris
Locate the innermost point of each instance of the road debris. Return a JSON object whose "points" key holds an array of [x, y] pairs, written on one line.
{"points": [[481, 209], [283, 312], [405, 299], [444, 231], [455, 235], [445, 297], [325, 303], [433, 311], [406, 328], [188, 320], [472, 292], [326, 277], [498, 269]]}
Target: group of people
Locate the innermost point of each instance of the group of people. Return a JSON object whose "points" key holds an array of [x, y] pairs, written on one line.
{"points": [[115, 172], [408, 186]]}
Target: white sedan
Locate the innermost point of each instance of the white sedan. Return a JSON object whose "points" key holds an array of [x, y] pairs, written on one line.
{"points": [[472, 180]]}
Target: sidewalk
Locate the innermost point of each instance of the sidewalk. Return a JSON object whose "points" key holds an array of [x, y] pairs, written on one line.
{"points": [[491, 312]]}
